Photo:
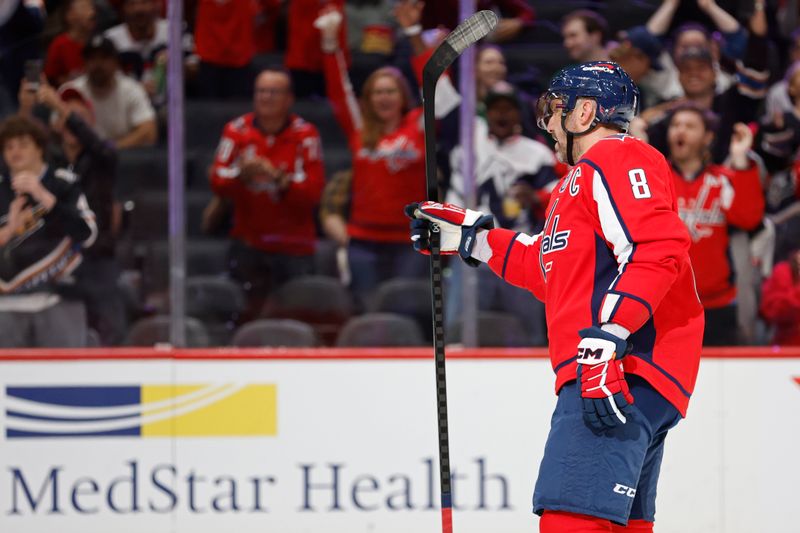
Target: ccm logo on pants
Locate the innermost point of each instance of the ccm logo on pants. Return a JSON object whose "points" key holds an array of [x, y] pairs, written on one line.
{"points": [[622, 489]]}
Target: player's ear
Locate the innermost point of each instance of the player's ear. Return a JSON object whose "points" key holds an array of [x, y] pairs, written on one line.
{"points": [[587, 106]]}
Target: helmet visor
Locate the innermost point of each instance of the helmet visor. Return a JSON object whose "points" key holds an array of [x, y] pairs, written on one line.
{"points": [[546, 107]]}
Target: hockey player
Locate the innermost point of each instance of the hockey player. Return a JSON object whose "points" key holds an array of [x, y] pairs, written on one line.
{"points": [[625, 322]]}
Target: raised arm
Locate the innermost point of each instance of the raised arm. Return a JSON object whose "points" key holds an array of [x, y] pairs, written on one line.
{"points": [[408, 14], [337, 82], [659, 22], [724, 21]]}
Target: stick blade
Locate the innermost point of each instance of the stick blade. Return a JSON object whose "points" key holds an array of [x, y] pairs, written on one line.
{"points": [[472, 30]]}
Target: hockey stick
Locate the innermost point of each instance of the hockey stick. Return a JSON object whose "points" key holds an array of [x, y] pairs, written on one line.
{"points": [[467, 33]]}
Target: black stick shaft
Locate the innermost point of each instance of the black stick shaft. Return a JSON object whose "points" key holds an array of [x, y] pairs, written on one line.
{"points": [[437, 301]]}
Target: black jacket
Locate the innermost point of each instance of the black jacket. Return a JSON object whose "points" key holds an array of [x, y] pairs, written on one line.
{"points": [[49, 248], [96, 167]]}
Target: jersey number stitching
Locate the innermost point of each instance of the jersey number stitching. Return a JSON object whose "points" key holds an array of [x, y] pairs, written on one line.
{"points": [[639, 184]]}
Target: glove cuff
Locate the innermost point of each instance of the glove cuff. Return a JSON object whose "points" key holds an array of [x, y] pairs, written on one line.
{"points": [[469, 234], [622, 347]]}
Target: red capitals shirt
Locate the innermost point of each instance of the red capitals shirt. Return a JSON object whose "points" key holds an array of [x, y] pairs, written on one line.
{"points": [[718, 197], [385, 178], [224, 31], [614, 250], [304, 43], [263, 216], [64, 59]]}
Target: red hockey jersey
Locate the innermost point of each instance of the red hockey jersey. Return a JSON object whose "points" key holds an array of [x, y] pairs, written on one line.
{"points": [[614, 249], [391, 175], [718, 197], [263, 216]]}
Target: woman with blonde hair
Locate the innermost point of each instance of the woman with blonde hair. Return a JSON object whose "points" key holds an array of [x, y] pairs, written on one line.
{"points": [[386, 137]]}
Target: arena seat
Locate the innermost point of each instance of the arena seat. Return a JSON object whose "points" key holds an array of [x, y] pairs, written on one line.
{"points": [[494, 329], [155, 329], [406, 297], [317, 300], [275, 332], [380, 329]]}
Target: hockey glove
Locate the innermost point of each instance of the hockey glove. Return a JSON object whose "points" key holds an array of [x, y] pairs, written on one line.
{"points": [[606, 398], [458, 227]]}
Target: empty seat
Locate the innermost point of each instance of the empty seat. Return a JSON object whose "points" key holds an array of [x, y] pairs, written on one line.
{"points": [[213, 297], [380, 329], [494, 329], [204, 257], [149, 218], [277, 332], [217, 302], [407, 297], [318, 300], [205, 120], [155, 330]]}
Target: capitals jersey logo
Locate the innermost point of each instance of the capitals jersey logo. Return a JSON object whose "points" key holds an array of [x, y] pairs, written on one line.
{"points": [[553, 239], [702, 213], [398, 153]]}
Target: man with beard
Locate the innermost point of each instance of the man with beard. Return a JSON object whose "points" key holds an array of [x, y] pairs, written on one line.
{"points": [[624, 321], [710, 199], [122, 110]]}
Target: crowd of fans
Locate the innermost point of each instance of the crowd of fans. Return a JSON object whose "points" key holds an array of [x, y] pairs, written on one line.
{"points": [[324, 145]]}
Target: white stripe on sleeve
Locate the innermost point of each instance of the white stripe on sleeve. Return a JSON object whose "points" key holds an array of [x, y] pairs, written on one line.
{"points": [[608, 307], [610, 222]]}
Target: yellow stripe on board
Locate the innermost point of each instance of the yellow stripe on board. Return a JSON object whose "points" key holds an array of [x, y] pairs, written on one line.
{"points": [[251, 411]]}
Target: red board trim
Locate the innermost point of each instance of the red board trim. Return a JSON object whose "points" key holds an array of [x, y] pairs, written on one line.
{"points": [[337, 354]]}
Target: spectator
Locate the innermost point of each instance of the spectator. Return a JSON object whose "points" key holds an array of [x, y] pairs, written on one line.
{"points": [[386, 137], [371, 29], [585, 34], [21, 22], [711, 198], [513, 177], [65, 54], [333, 213], [515, 16], [269, 165], [738, 104], [140, 37], [782, 97], [694, 35], [304, 59], [94, 161], [122, 111], [225, 34], [141, 43], [490, 68], [780, 301], [638, 53], [45, 223]]}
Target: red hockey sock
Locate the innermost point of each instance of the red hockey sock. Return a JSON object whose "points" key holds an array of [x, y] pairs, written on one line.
{"points": [[634, 526], [561, 522]]}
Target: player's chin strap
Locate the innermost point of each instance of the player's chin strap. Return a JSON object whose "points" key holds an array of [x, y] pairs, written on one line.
{"points": [[571, 135]]}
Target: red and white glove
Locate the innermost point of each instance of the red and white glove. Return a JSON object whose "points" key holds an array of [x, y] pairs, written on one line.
{"points": [[457, 226], [606, 398]]}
